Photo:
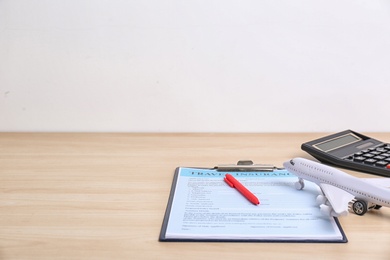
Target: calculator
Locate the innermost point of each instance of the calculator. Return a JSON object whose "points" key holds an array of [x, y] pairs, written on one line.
{"points": [[352, 150]]}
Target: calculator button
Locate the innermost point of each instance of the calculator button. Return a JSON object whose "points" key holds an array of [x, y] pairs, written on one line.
{"points": [[358, 154], [381, 150], [379, 157], [375, 152], [359, 159], [370, 161], [385, 154], [368, 155], [381, 163]]}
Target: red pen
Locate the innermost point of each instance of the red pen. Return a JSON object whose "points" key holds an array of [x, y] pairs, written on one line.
{"points": [[234, 183]]}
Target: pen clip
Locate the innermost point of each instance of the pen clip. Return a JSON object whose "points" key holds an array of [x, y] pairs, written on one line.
{"points": [[245, 165], [228, 182]]}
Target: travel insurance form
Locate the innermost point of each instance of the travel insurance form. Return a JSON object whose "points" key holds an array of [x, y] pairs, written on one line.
{"points": [[203, 206]]}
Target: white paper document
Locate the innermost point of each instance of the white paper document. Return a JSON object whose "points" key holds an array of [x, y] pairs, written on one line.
{"points": [[204, 207]]}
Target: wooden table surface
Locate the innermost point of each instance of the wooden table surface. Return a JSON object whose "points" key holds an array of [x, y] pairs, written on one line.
{"points": [[103, 196]]}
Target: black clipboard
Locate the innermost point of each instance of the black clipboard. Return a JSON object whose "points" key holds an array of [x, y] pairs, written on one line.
{"points": [[163, 238]]}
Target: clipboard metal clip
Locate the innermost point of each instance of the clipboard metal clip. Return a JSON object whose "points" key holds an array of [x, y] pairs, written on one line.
{"points": [[245, 165]]}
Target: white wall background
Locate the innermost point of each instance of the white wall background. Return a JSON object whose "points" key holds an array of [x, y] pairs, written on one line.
{"points": [[194, 65]]}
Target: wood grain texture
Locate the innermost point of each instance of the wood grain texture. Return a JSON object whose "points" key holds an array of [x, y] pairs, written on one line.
{"points": [[103, 196]]}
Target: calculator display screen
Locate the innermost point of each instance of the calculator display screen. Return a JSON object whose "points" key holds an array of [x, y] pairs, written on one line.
{"points": [[337, 142]]}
